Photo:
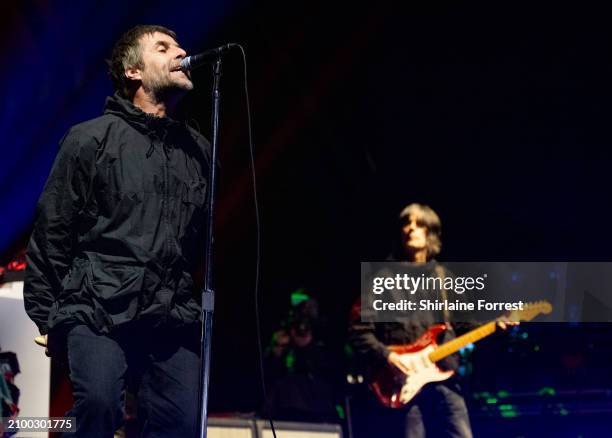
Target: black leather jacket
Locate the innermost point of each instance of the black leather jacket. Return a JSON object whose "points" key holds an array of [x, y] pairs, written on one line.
{"points": [[119, 225]]}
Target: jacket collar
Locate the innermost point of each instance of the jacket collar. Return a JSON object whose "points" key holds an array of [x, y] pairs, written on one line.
{"points": [[144, 122]]}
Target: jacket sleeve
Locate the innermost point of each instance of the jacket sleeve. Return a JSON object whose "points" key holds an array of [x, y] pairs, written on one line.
{"points": [[362, 337], [49, 252]]}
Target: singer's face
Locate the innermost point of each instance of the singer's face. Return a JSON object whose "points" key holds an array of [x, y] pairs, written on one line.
{"points": [[161, 56]]}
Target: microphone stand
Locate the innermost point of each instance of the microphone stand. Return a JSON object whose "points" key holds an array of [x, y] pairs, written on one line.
{"points": [[208, 294]]}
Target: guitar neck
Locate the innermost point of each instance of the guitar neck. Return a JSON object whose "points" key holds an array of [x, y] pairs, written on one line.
{"points": [[456, 344]]}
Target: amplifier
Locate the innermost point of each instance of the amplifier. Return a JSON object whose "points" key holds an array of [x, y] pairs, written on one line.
{"points": [[230, 428], [285, 429]]}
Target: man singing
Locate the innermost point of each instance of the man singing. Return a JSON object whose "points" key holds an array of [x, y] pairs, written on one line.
{"points": [[118, 234]]}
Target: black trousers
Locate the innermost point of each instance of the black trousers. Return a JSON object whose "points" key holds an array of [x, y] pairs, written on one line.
{"points": [[165, 365], [438, 411]]}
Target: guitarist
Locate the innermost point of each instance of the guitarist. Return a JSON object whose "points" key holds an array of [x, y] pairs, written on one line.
{"points": [[439, 409]]}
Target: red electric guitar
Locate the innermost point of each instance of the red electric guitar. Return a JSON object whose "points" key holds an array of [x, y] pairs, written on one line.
{"points": [[395, 389]]}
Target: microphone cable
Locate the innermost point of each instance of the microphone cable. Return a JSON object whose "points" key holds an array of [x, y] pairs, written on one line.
{"points": [[257, 234]]}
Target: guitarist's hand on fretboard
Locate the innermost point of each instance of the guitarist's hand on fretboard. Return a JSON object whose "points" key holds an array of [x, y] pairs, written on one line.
{"points": [[503, 322]]}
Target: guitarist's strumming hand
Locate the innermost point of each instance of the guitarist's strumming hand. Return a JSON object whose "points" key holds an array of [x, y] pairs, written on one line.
{"points": [[396, 360]]}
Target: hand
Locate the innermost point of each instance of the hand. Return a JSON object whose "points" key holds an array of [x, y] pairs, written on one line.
{"points": [[396, 360], [503, 323], [43, 342]]}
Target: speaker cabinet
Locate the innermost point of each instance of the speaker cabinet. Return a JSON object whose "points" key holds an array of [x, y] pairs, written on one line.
{"points": [[285, 429], [230, 428]]}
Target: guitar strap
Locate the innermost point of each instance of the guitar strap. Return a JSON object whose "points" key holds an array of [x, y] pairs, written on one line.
{"points": [[441, 274]]}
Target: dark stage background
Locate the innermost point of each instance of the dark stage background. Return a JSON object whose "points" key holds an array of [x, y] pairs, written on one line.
{"points": [[495, 114]]}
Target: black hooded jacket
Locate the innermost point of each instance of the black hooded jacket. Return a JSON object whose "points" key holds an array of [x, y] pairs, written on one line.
{"points": [[119, 226]]}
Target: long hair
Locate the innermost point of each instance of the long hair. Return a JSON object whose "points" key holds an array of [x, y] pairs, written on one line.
{"points": [[427, 217]]}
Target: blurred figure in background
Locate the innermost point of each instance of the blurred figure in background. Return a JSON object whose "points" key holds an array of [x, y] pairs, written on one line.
{"points": [[302, 372]]}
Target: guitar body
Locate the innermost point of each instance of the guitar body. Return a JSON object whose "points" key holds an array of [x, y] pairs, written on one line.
{"points": [[395, 389]]}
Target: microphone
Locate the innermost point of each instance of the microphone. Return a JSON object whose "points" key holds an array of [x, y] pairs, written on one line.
{"points": [[206, 57]]}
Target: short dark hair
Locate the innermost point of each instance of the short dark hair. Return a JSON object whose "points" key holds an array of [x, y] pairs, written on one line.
{"points": [[127, 54], [430, 219]]}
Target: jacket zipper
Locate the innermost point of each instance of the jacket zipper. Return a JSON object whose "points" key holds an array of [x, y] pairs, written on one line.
{"points": [[166, 219]]}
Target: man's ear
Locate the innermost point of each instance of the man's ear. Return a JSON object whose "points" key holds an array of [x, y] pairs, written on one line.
{"points": [[133, 74]]}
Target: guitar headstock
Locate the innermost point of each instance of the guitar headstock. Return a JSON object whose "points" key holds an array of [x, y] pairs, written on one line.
{"points": [[530, 311]]}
